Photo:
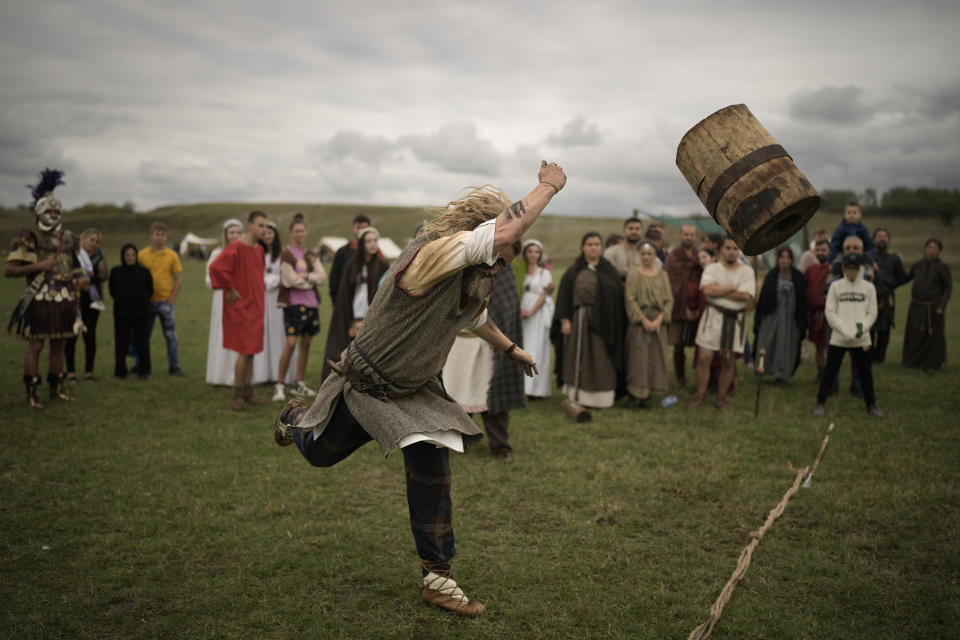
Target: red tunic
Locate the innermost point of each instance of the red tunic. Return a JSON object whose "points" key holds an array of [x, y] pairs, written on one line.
{"points": [[816, 276], [240, 266]]}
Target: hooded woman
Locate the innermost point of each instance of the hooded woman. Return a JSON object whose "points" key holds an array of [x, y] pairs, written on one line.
{"points": [[220, 361], [781, 317], [131, 286], [591, 316], [358, 284]]}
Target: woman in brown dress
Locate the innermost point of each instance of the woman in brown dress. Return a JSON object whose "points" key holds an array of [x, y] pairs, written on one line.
{"points": [[590, 310], [649, 302]]}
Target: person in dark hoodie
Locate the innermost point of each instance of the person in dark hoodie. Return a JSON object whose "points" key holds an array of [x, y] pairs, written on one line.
{"points": [[131, 286], [781, 317], [360, 280]]}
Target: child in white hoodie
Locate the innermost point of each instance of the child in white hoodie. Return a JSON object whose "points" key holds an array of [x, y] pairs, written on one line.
{"points": [[851, 309]]}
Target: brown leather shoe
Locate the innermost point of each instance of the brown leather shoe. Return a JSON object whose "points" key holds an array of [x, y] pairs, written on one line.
{"points": [[449, 596], [250, 398]]}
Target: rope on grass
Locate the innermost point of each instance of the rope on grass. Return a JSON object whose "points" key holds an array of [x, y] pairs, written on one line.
{"points": [[743, 563], [701, 632]]}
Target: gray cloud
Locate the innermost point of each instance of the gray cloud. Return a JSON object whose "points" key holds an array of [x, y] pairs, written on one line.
{"points": [[941, 102], [576, 133], [831, 105], [182, 101], [456, 147], [356, 145]]}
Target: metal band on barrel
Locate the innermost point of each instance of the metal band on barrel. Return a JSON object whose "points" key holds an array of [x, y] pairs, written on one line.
{"points": [[738, 169]]}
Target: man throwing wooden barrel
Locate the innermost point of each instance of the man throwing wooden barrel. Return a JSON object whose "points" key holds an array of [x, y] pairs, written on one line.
{"points": [[385, 386]]}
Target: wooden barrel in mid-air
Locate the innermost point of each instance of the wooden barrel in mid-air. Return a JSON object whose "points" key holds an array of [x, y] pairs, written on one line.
{"points": [[747, 182]]}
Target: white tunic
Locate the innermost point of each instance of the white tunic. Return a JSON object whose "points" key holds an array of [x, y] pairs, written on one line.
{"points": [[536, 332], [711, 323], [266, 362], [220, 361]]}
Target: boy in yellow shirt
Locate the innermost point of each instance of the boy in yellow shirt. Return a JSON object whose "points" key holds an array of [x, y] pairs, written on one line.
{"points": [[164, 265]]}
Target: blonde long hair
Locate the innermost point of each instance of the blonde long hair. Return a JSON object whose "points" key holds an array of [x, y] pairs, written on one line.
{"points": [[475, 207]]}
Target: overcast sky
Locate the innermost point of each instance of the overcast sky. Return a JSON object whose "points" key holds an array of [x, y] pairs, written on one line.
{"points": [[407, 103]]}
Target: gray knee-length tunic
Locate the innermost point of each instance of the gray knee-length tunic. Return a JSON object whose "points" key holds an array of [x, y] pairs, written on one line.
{"points": [[401, 347]]}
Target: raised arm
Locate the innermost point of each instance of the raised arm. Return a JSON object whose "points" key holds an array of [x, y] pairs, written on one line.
{"points": [[514, 221]]}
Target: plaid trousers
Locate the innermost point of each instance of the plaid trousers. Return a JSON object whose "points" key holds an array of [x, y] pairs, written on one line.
{"points": [[427, 474]]}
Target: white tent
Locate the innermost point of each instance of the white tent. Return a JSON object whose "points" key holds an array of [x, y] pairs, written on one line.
{"points": [[389, 248], [191, 242], [330, 245]]}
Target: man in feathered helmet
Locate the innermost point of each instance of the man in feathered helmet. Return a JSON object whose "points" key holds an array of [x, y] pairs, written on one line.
{"points": [[386, 385], [50, 306]]}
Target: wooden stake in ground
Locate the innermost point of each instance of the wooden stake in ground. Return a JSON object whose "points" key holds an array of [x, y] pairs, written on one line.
{"points": [[760, 370], [571, 407], [823, 447]]}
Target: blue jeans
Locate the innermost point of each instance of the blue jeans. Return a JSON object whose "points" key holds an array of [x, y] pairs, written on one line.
{"points": [[167, 313]]}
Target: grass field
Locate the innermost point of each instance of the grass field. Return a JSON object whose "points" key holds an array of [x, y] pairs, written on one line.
{"points": [[150, 510]]}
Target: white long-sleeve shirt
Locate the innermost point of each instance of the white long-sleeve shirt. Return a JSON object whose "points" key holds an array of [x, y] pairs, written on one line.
{"points": [[847, 304]]}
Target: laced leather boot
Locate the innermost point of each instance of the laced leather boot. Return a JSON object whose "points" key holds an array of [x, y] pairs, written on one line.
{"points": [[440, 590], [58, 387], [32, 383]]}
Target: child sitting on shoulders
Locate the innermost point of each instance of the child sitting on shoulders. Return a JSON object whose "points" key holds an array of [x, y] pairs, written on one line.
{"points": [[851, 226]]}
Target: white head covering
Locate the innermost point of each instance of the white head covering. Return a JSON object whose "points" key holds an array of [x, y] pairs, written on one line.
{"points": [[536, 243], [232, 222], [365, 231]]}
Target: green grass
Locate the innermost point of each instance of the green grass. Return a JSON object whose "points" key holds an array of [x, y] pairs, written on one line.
{"points": [[149, 509]]}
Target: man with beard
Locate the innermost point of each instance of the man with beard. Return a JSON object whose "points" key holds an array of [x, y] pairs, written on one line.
{"points": [[924, 341], [852, 244], [712, 242], [890, 275], [626, 256], [729, 286], [49, 308], [816, 276], [684, 271], [344, 253]]}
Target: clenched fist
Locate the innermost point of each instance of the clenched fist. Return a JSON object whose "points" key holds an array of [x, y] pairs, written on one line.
{"points": [[552, 174]]}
